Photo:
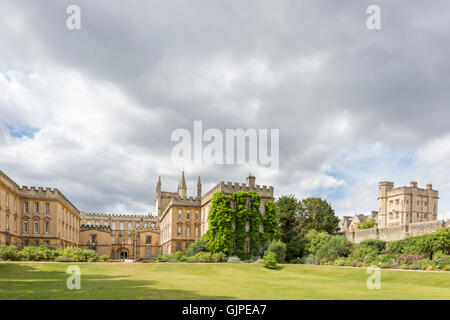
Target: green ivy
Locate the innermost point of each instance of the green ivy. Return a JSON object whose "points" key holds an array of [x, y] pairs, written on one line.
{"points": [[222, 216]]}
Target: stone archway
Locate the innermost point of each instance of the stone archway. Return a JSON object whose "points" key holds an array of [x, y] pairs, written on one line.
{"points": [[123, 253]]}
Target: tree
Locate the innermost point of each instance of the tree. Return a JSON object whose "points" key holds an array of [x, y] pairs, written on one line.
{"points": [[288, 212], [317, 214], [366, 224], [295, 248], [314, 240], [335, 247], [279, 248]]}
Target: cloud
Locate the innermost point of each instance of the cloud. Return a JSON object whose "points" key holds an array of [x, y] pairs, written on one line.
{"points": [[91, 111]]}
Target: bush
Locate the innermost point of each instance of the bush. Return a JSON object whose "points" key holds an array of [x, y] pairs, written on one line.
{"points": [[408, 259], [427, 244], [104, 258], [334, 247], [177, 256], [37, 253], [279, 249], [64, 259], [309, 260], [198, 246], [295, 248], [314, 240], [360, 253], [192, 259], [234, 259], [440, 261], [10, 253], [270, 260], [376, 244], [204, 256], [341, 261], [359, 264], [386, 265], [79, 255], [218, 257]]}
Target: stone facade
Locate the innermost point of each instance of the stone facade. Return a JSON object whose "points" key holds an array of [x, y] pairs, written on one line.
{"points": [[406, 205], [397, 232], [185, 219], [32, 216]]}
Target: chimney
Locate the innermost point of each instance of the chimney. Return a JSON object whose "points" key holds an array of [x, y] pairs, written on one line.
{"points": [[251, 181], [413, 184], [429, 186]]}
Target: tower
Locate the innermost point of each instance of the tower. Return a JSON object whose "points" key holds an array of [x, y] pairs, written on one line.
{"points": [[182, 190], [383, 188], [251, 181], [199, 188]]}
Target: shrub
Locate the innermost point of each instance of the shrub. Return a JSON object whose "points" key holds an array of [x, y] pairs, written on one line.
{"points": [[340, 261], [37, 253], [408, 259], [218, 257], [334, 247], [177, 255], [427, 244], [359, 264], [79, 255], [376, 244], [440, 261], [64, 259], [309, 260], [204, 256], [192, 259], [314, 240], [198, 246], [386, 265], [295, 248], [104, 258], [360, 253], [279, 249], [270, 260], [234, 259], [10, 253]]}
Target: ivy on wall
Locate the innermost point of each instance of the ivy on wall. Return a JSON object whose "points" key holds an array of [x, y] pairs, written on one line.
{"points": [[235, 218]]}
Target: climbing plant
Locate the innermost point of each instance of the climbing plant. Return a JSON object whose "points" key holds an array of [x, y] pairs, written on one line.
{"points": [[235, 218]]}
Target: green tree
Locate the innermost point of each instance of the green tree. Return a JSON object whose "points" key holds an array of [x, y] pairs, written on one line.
{"points": [[335, 247], [366, 224], [317, 214], [279, 248], [314, 240], [295, 248], [288, 212]]}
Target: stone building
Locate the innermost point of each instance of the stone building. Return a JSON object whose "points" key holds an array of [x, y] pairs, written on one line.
{"points": [[406, 205], [184, 219], [33, 216], [120, 236]]}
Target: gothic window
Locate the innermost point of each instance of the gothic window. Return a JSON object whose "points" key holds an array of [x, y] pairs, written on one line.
{"points": [[247, 246], [247, 205], [247, 226], [233, 204], [148, 240]]}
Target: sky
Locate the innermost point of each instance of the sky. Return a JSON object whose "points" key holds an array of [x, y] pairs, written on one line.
{"points": [[91, 111]]}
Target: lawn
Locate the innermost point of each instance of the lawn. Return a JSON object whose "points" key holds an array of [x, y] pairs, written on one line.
{"points": [[214, 281]]}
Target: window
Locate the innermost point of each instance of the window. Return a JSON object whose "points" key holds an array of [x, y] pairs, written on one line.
{"points": [[247, 205], [25, 207], [15, 225], [137, 225], [148, 240], [114, 226], [122, 226], [129, 240], [105, 223], [47, 227], [188, 231], [7, 200], [179, 214], [7, 222], [47, 207], [233, 226], [130, 226], [88, 223], [261, 228], [179, 247], [36, 227], [179, 231], [196, 214], [247, 226], [196, 231], [36, 207], [153, 226], [15, 204], [233, 205], [247, 246], [97, 224], [93, 238], [188, 214], [113, 239], [262, 207]]}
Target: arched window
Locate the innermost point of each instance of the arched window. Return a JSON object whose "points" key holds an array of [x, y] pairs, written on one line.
{"points": [[247, 226], [261, 228], [262, 208]]}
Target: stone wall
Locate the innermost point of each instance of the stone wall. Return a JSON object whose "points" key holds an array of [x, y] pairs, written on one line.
{"points": [[397, 233]]}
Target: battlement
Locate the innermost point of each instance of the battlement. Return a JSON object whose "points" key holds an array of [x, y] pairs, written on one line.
{"points": [[85, 227], [122, 216], [37, 190]]}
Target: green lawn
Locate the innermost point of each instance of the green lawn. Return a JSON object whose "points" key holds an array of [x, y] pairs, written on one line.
{"points": [[214, 281]]}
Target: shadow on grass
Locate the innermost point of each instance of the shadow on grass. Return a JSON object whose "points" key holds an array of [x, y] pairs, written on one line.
{"points": [[25, 282]]}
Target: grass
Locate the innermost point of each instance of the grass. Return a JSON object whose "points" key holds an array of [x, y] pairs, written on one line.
{"points": [[37, 280]]}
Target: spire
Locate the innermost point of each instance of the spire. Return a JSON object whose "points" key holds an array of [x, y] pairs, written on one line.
{"points": [[182, 190], [199, 188], [158, 186]]}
